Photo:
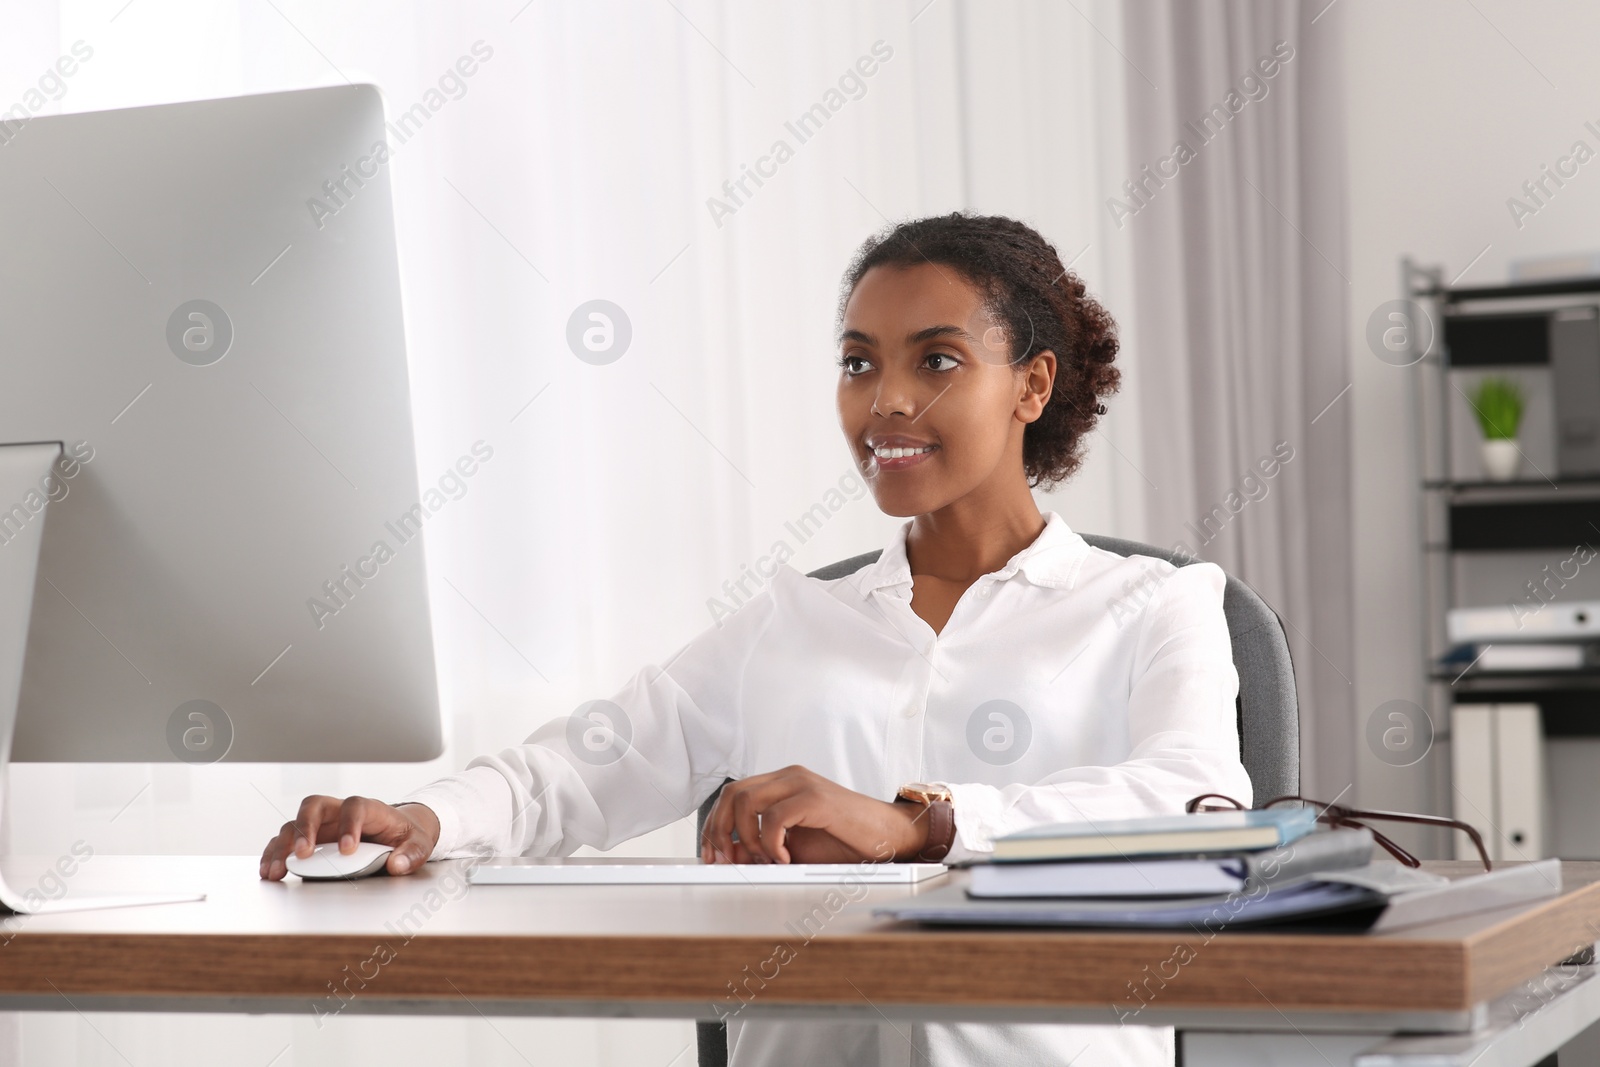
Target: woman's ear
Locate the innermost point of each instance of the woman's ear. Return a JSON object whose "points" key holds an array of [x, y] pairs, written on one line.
{"points": [[1038, 383]]}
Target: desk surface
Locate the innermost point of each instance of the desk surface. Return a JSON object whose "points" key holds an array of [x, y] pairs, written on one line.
{"points": [[425, 943]]}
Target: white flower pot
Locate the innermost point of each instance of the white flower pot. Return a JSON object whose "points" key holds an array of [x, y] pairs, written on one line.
{"points": [[1501, 459]]}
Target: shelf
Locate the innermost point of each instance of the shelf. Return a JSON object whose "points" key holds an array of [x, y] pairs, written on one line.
{"points": [[1479, 341], [1520, 525], [1571, 710], [1587, 679], [1514, 291], [1578, 483], [1483, 328], [1500, 365]]}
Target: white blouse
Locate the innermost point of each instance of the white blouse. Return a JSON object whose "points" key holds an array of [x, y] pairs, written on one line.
{"points": [[1072, 684]]}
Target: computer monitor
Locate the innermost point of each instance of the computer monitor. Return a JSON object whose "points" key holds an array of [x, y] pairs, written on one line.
{"points": [[200, 316]]}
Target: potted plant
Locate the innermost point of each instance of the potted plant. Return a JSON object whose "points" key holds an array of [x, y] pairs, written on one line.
{"points": [[1498, 403]]}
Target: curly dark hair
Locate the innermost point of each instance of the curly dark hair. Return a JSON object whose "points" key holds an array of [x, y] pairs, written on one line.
{"points": [[1024, 286]]}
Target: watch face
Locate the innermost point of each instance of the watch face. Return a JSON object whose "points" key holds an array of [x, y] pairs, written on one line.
{"points": [[923, 793]]}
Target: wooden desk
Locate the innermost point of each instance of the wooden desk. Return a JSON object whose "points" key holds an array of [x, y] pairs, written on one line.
{"points": [[428, 945]]}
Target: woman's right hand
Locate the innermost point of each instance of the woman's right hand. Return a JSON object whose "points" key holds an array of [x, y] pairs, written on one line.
{"points": [[413, 830]]}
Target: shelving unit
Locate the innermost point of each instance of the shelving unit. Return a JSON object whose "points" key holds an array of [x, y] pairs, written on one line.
{"points": [[1464, 516]]}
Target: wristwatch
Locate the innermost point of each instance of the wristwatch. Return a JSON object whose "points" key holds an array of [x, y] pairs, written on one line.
{"points": [[939, 810]]}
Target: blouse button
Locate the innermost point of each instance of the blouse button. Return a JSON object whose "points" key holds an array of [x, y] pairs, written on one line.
{"points": [[985, 591], [909, 711]]}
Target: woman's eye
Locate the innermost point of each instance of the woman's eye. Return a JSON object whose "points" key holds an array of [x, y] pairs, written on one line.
{"points": [[941, 361], [854, 365]]}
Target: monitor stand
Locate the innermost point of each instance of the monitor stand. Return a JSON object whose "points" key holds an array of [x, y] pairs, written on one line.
{"points": [[23, 469]]}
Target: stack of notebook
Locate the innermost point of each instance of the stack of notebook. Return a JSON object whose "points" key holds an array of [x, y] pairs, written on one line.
{"points": [[1211, 869]]}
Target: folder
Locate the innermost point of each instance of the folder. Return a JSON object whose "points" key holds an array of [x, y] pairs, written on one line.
{"points": [[1379, 897]]}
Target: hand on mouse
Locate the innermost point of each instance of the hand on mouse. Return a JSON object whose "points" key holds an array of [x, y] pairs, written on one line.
{"points": [[412, 830]]}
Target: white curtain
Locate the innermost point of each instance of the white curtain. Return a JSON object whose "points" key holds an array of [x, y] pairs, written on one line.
{"points": [[576, 164], [1233, 198]]}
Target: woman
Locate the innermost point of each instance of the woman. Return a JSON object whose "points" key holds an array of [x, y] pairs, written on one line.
{"points": [[990, 652]]}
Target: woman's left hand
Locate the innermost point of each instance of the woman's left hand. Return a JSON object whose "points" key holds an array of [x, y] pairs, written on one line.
{"points": [[798, 816]]}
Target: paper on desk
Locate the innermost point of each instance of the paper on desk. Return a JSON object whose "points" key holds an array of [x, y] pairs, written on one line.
{"points": [[1524, 883], [1158, 878], [1386, 876]]}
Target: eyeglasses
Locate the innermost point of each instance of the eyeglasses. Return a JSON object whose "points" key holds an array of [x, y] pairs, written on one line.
{"points": [[1341, 816]]}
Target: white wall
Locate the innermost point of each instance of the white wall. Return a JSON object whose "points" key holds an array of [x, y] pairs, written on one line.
{"points": [[1451, 107]]}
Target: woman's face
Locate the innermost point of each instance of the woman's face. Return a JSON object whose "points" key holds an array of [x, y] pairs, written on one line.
{"points": [[928, 399]]}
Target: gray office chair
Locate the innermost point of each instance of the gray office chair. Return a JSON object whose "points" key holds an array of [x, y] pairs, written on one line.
{"points": [[1268, 709]]}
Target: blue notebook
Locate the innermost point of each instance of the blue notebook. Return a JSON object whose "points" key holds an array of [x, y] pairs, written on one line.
{"points": [[1199, 834]]}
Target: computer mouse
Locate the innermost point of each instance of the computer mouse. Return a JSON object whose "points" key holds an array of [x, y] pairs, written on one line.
{"points": [[327, 863]]}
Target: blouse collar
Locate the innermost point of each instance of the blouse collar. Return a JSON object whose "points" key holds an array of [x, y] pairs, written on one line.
{"points": [[1051, 560]]}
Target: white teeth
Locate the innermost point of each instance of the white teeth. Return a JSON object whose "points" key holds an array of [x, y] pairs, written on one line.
{"points": [[900, 453]]}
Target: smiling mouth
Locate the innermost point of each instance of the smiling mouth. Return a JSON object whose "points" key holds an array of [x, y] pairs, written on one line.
{"points": [[899, 458], [902, 453]]}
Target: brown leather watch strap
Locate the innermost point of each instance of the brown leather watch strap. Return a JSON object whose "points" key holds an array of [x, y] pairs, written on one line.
{"points": [[941, 816]]}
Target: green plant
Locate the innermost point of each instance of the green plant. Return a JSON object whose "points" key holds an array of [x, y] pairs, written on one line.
{"points": [[1498, 403]]}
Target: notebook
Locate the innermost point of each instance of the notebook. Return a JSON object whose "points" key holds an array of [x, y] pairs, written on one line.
{"points": [[1323, 851], [1201, 832], [1092, 878]]}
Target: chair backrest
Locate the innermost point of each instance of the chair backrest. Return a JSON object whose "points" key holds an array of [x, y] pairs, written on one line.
{"points": [[1267, 708]]}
